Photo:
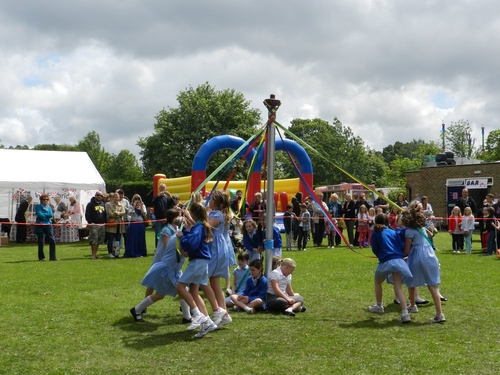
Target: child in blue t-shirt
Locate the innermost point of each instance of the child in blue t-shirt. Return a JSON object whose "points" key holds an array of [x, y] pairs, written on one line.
{"points": [[240, 274]]}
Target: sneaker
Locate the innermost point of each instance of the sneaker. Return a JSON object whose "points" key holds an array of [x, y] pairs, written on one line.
{"points": [[289, 313], [413, 309], [205, 328], [376, 309], [111, 255], [226, 319], [196, 321], [396, 301], [236, 308], [302, 309], [405, 319], [228, 292], [444, 299], [438, 319], [218, 315]]}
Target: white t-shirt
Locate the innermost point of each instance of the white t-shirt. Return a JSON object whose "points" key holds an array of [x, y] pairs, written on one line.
{"points": [[282, 280]]}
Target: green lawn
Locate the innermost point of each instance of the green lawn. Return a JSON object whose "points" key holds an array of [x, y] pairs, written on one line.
{"points": [[72, 317]]}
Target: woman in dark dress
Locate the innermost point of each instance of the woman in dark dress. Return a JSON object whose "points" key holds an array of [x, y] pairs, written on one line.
{"points": [[21, 219]]}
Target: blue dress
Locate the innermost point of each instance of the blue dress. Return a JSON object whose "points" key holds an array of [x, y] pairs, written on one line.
{"points": [[230, 248], [167, 231], [218, 265], [422, 260], [164, 275], [135, 245]]}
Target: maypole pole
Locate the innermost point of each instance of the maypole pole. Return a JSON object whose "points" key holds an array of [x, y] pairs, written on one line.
{"points": [[272, 104]]}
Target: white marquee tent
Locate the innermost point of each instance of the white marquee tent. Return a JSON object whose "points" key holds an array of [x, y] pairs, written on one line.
{"points": [[53, 172]]}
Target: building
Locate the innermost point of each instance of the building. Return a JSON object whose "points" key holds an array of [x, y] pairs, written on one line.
{"points": [[443, 184]]}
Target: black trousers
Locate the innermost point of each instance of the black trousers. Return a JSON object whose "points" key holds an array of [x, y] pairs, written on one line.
{"points": [[44, 232]]}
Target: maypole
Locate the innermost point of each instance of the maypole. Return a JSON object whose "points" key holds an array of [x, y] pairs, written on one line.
{"points": [[272, 104]]}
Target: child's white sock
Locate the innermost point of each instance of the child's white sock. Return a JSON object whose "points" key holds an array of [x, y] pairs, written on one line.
{"points": [[186, 313], [195, 311], [247, 309], [146, 302], [404, 312], [287, 310]]}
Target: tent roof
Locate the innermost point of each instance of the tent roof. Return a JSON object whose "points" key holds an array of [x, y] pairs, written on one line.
{"points": [[33, 169]]}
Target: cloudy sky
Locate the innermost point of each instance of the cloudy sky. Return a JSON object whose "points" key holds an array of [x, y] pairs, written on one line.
{"points": [[391, 70]]}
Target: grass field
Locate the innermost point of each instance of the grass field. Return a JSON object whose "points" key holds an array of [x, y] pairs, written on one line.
{"points": [[72, 317]]}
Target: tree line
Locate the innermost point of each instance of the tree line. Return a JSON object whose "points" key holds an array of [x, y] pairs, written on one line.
{"points": [[204, 112]]}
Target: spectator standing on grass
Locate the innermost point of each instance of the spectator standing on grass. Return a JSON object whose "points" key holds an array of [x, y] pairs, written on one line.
{"points": [[335, 209], [128, 212], [21, 219], [455, 229], [296, 201], [114, 227], [401, 201], [468, 228], [304, 227], [488, 202], [43, 228], [95, 214], [349, 215], [136, 233], [161, 204], [289, 221], [258, 207], [381, 202], [491, 226], [318, 209], [466, 201]]}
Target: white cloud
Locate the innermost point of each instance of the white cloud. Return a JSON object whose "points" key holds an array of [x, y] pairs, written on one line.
{"points": [[390, 70]]}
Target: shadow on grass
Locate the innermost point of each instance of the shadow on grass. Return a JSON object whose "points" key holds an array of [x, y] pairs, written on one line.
{"points": [[373, 322]]}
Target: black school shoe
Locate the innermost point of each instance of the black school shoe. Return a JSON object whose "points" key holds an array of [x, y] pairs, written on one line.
{"points": [[289, 313], [137, 317]]}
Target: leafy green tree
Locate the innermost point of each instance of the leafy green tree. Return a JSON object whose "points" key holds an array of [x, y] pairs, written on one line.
{"points": [[91, 144], [123, 167], [202, 114], [458, 139], [398, 169], [492, 147], [414, 149], [338, 144], [54, 147]]}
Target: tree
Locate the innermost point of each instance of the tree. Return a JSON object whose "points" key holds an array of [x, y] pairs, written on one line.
{"points": [[54, 147], [458, 139], [414, 149], [202, 114], [338, 144], [91, 144], [492, 147], [398, 169], [123, 167]]}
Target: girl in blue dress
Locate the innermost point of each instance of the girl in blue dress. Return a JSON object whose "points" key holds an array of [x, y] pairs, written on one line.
{"points": [[422, 260], [218, 265], [194, 241], [165, 272]]}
